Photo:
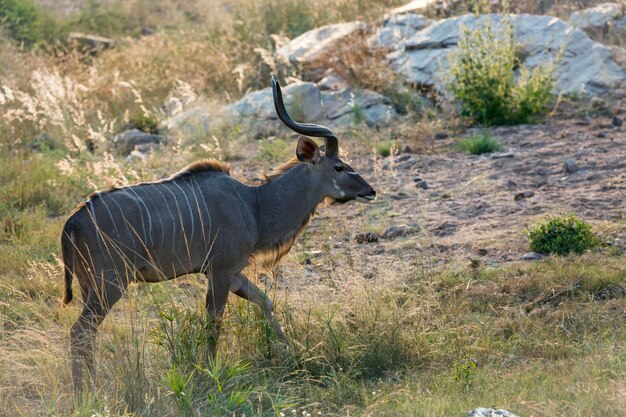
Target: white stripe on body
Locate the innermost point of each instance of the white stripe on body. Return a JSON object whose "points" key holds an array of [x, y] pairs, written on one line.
{"points": [[189, 206], [149, 236]]}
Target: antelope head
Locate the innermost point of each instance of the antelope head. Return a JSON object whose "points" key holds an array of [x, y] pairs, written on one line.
{"points": [[339, 181]]}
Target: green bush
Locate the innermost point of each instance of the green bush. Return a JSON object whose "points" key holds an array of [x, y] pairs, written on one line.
{"points": [[479, 144], [24, 22], [484, 79], [561, 235]]}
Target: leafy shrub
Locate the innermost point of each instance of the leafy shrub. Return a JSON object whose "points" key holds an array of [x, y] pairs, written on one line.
{"points": [[479, 144], [562, 235], [26, 23], [484, 80]]}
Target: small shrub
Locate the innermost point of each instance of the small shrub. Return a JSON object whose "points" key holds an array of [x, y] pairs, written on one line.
{"points": [[144, 122], [479, 144], [484, 79], [562, 235], [386, 147]]}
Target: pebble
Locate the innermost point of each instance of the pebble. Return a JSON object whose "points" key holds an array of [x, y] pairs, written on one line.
{"points": [[489, 412], [423, 185], [400, 230], [570, 166], [525, 194], [617, 122], [500, 155], [532, 256], [366, 237]]}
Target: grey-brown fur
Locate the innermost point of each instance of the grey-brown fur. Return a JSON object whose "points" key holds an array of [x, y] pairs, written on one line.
{"points": [[201, 220]]}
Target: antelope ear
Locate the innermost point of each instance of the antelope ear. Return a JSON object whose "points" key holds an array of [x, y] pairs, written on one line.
{"points": [[307, 151]]}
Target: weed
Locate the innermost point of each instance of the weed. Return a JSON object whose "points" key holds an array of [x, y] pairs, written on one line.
{"points": [[386, 148], [479, 144], [561, 235]]}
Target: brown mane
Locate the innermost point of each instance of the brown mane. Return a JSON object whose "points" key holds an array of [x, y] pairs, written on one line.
{"points": [[204, 165]]}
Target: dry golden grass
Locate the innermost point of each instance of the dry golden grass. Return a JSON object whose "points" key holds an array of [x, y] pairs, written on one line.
{"points": [[404, 338]]}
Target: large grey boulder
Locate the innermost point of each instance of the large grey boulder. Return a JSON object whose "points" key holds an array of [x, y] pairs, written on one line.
{"points": [[312, 51], [597, 17], [397, 28], [489, 412], [585, 66], [305, 102]]}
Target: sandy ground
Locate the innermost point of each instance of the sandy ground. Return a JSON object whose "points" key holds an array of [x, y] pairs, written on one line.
{"points": [[469, 214]]}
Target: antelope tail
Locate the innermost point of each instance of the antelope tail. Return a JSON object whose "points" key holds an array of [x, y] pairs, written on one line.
{"points": [[67, 250]]}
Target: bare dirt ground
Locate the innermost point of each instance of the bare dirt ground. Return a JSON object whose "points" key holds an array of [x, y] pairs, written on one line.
{"points": [[469, 214]]}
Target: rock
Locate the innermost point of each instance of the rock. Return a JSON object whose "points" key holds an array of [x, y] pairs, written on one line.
{"points": [[585, 66], [366, 237], [90, 43], [400, 230], [423, 185], [304, 102], [532, 256], [126, 142], [525, 194], [332, 81], [597, 103], [616, 121], [597, 17], [135, 156], [313, 50], [420, 6], [501, 155], [570, 166], [301, 99], [396, 28], [343, 108], [417, 179], [441, 136], [489, 412]]}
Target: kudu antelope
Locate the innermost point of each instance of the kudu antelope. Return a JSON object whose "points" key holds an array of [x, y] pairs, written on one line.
{"points": [[200, 220]]}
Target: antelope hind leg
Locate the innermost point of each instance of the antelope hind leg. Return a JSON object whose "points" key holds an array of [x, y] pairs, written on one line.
{"points": [[247, 290]]}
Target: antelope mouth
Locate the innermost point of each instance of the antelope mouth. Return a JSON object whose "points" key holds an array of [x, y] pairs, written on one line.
{"points": [[365, 198]]}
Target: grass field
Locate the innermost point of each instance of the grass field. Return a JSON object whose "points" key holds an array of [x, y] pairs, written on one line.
{"points": [[428, 337]]}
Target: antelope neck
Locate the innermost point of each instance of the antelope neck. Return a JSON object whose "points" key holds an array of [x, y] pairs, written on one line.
{"points": [[284, 205]]}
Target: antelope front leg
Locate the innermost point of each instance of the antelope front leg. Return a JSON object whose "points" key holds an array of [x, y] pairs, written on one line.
{"points": [[246, 289], [216, 297]]}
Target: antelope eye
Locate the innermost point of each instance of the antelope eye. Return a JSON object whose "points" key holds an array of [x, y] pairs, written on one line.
{"points": [[339, 168]]}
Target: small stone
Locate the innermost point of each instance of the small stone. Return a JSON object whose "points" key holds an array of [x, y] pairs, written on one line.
{"points": [[136, 156], [417, 178], [532, 256], [441, 136], [500, 155], [366, 237], [597, 103], [617, 122], [400, 230], [423, 185], [402, 158], [489, 412], [570, 166], [525, 194]]}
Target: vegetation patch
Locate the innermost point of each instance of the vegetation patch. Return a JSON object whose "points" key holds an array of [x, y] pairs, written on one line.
{"points": [[562, 235], [485, 83], [479, 144]]}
